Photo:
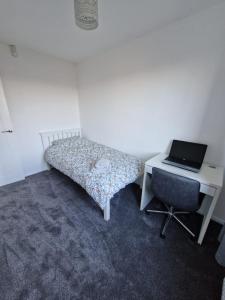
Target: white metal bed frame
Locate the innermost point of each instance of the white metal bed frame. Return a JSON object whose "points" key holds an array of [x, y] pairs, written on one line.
{"points": [[48, 137]]}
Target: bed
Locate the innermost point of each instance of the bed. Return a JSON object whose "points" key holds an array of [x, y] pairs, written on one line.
{"points": [[102, 171]]}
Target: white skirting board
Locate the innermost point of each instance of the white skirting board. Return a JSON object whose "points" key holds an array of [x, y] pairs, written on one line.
{"points": [[218, 220], [206, 203]]}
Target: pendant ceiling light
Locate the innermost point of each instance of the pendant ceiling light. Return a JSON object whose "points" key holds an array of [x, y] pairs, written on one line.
{"points": [[86, 13]]}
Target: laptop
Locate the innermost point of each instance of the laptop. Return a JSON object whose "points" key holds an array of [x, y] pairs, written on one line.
{"points": [[186, 155]]}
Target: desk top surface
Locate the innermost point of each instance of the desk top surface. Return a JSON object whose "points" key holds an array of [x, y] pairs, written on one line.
{"points": [[207, 175]]}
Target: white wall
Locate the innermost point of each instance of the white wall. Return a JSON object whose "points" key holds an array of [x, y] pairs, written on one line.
{"points": [[41, 95], [167, 85]]}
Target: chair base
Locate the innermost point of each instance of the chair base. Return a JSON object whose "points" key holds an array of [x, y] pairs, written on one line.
{"points": [[171, 214]]}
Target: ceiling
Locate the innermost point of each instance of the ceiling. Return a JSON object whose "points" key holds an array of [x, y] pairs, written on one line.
{"points": [[48, 25]]}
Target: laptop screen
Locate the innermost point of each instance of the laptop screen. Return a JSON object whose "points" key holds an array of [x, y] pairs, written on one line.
{"points": [[186, 151]]}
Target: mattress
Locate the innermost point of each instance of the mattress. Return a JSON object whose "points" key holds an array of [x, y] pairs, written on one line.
{"points": [[76, 157]]}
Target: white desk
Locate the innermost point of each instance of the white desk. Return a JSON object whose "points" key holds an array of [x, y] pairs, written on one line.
{"points": [[211, 180]]}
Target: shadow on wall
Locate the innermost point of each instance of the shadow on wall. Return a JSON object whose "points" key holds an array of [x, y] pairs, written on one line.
{"points": [[212, 129], [140, 89], [213, 123], [145, 106]]}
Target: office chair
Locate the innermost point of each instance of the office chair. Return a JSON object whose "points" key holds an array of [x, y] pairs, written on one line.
{"points": [[180, 195]]}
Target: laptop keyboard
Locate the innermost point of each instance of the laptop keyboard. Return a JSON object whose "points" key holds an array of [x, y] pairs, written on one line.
{"points": [[183, 162]]}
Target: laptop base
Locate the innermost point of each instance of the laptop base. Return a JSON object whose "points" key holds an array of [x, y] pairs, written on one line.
{"points": [[181, 166]]}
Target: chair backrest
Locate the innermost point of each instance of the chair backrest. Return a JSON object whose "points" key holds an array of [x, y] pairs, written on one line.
{"points": [[174, 190]]}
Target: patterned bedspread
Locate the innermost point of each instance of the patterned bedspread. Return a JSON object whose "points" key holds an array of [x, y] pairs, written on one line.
{"points": [[77, 157]]}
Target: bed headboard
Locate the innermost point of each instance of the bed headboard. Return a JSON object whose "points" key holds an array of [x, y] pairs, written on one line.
{"points": [[47, 137]]}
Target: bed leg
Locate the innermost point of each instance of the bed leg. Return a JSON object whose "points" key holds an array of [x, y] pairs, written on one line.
{"points": [[107, 211], [49, 167]]}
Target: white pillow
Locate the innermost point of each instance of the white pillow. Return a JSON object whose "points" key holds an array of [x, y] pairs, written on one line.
{"points": [[66, 141]]}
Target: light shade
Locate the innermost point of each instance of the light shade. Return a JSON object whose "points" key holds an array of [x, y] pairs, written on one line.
{"points": [[86, 13]]}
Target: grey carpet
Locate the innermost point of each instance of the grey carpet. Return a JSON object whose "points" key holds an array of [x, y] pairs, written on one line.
{"points": [[56, 245]]}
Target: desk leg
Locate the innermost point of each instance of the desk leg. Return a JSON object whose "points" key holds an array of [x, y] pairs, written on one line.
{"points": [[146, 195], [208, 216]]}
